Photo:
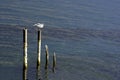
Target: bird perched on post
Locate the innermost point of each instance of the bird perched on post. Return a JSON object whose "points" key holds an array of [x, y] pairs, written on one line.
{"points": [[39, 25]]}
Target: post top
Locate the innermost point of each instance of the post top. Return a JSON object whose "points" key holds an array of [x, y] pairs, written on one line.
{"points": [[46, 46], [24, 28]]}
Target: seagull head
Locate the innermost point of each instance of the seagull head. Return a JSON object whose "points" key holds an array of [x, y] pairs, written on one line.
{"points": [[39, 25]]}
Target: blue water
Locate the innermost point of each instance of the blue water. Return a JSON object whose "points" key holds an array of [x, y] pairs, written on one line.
{"points": [[85, 35]]}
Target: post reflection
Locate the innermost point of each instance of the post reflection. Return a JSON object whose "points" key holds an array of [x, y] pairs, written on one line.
{"points": [[46, 75], [38, 75], [25, 74]]}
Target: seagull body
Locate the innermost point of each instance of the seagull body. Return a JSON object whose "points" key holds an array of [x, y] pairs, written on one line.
{"points": [[39, 25]]}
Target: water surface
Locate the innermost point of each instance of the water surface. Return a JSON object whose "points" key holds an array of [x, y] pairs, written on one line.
{"points": [[84, 34]]}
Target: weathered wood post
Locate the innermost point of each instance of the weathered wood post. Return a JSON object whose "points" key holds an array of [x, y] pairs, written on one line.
{"points": [[46, 57], [39, 49], [54, 62], [25, 65]]}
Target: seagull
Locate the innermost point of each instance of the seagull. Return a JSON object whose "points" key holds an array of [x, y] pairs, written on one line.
{"points": [[39, 25]]}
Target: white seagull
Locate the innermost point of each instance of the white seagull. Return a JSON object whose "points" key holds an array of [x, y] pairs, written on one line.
{"points": [[39, 25]]}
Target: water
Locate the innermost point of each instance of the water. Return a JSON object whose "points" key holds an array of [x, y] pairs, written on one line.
{"points": [[83, 33]]}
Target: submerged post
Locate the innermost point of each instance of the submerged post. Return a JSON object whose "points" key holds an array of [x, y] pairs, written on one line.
{"points": [[46, 57], [25, 65], [54, 62]]}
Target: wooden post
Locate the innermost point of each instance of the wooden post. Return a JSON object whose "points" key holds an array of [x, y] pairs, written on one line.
{"points": [[46, 57], [54, 62], [25, 65], [39, 48], [25, 48]]}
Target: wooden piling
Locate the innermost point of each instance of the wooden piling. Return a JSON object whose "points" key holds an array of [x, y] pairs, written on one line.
{"points": [[39, 48], [25, 65], [54, 62], [46, 57]]}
